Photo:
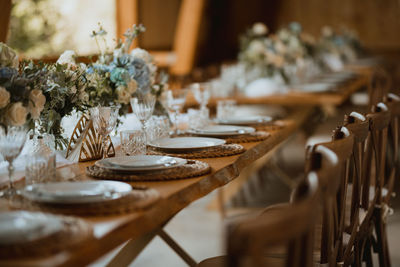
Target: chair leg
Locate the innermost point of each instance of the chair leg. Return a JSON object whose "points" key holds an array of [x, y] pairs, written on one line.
{"points": [[367, 255], [382, 246]]}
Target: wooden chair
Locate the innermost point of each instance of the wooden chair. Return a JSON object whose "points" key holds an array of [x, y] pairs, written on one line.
{"points": [[248, 239], [181, 59], [333, 228], [376, 182]]}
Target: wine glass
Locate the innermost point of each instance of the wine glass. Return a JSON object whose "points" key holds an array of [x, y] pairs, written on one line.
{"points": [[143, 106], [12, 141], [104, 121], [201, 92], [174, 101]]}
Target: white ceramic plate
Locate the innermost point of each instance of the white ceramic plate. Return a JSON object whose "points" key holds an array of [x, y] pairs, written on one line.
{"points": [[245, 120], [76, 192], [22, 226], [186, 143], [140, 163], [222, 130]]}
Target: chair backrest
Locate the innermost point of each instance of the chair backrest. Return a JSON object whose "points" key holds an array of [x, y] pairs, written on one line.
{"points": [[291, 226], [334, 191], [187, 32], [374, 161], [392, 101]]}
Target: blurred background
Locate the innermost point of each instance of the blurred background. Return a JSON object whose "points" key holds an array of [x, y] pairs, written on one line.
{"points": [[45, 28]]}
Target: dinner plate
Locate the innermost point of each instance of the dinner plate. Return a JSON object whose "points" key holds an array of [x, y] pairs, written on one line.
{"points": [[245, 120], [76, 192], [222, 130], [140, 163], [22, 226], [186, 143]]}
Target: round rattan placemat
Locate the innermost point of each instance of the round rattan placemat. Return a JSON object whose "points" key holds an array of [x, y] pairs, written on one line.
{"points": [[74, 232], [191, 169], [214, 152], [138, 199]]}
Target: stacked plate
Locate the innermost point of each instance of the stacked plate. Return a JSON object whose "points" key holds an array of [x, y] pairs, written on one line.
{"points": [[245, 120], [140, 163], [76, 192], [21, 226], [185, 144], [222, 130]]}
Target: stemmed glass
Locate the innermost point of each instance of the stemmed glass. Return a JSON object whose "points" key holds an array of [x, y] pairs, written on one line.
{"points": [[174, 101], [104, 121], [12, 141], [143, 106], [201, 92]]}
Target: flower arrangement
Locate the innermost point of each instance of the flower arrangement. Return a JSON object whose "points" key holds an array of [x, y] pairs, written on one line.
{"points": [[118, 75], [21, 99], [276, 54], [337, 48]]}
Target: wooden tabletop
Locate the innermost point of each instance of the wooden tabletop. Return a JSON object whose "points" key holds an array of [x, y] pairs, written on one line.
{"points": [[298, 98], [113, 231]]}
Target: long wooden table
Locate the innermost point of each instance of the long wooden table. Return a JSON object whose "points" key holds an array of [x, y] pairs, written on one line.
{"points": [[141, 227]]}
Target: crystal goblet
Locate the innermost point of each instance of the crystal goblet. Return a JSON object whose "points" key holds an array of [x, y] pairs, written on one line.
{"points": [[174, 101], [143, 107], [12, 141]]}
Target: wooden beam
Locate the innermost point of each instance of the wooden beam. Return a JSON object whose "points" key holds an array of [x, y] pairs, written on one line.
{"points": [[5, 14], [127, 15]]}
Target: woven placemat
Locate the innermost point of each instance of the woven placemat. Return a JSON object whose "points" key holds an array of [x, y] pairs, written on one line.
{"points": [[140, 198], [247, 138], [191, 169], [74, 232], [213, 152], [267, 127]]}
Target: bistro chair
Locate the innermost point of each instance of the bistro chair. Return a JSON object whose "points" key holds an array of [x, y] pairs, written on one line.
{"points": [[375, 193], [248, 239]]}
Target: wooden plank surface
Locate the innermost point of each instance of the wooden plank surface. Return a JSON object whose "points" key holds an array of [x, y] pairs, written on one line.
{"points": [[112, 231]]}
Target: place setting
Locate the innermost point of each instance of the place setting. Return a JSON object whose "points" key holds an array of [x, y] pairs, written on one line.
{"points": [[27, 235]]}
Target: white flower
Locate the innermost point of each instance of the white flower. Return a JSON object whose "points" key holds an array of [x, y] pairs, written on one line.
{"points": [[132, 86], [260, 28], [36, 103], [123, 95], [8, 57], [16, 114], [256, 47], [68, 57], [118, 53], [84, 97], [4, 97], [142, 54]]}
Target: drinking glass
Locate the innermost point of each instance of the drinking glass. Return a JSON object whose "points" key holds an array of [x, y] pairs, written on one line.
{"points": [[12, 141], [133, 142], [143, 107], [201, 92], [225, 108], [157, 127], [104, 121], [36, 170], [174, 101]]}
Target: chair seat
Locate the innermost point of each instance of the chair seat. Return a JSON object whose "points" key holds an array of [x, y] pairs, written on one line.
{"points": [[221, 261]]}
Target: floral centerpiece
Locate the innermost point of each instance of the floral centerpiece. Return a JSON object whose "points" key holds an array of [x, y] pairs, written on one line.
{"points": [[284, 54], [118, 75], [335, 49], [21, 97]]}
